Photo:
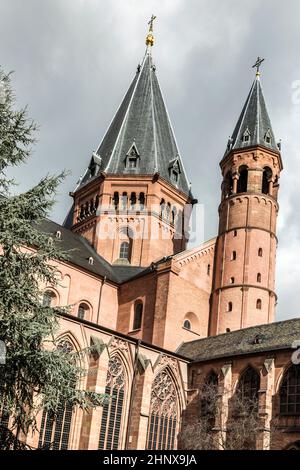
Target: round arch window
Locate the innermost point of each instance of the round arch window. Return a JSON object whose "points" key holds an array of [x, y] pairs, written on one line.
{"points": [[187, 325], [83, 311]]}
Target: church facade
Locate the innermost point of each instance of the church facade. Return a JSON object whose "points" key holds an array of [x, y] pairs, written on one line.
{"points": [[163, 316]]}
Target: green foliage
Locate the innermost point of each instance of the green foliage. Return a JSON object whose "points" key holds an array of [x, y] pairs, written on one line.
{"points": [[36, 373]]}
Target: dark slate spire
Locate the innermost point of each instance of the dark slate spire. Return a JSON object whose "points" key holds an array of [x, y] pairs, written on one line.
{"points": [[254, 125], [140, 139]]}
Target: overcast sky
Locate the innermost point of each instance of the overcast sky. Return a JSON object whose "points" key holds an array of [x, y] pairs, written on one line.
{"points": [[74, 60]]}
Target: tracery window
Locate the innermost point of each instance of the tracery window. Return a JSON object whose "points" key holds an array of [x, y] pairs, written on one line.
{"points": [[55, 429], [163, 417], [248, 387], [290, 392], [113, 410]]}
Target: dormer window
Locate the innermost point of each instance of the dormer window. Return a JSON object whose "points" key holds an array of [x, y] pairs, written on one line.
{"points": [[268, 138], [246, 136], [174, 170], [132, 158], [94, 165]]}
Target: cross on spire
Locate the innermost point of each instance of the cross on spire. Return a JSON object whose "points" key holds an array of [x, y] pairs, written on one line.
{"points": [[257, 64], [151, 23], [150, 37]]}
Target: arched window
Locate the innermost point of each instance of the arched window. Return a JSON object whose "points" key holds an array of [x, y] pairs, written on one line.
{"points": [[142, 201], [267, 176], [113, 411], [55, 429], [258, 277], [248, 387], [233, 256], [232, 280], [116, 200], [82, 311], [163, 419], [260, 252], [227, 185], [259, 304], [173, 215], [187, 325], [243, 180], [132, 200], [49, 298], [168, 211], [124, 250], [138, 315], [208, 269], [290, 391], [208, 395], [229, 307], [162, 208]]}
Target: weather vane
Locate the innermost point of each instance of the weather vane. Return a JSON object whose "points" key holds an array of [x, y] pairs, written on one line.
{"points": [[150, 37], [257, 64]]}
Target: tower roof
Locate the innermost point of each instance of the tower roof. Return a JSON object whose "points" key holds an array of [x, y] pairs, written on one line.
{"points": [[141, 129], [254, 125]]}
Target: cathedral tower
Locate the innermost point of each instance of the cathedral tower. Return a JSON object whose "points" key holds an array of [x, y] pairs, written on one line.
{"points": [[243, 288], [132, 204]]}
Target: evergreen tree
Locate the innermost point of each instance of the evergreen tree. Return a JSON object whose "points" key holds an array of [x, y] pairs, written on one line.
{"points": [[34, 365]]}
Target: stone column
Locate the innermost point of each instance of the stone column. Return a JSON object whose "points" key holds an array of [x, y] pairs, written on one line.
{"points": [[267, 377], [224, 395], [91, 421]]}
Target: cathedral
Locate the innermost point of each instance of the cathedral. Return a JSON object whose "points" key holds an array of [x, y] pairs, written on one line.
{"points": [[165, 317]]}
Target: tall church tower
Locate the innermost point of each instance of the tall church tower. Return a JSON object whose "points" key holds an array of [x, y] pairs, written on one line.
{"points": [[243, 288], [132, 202]]}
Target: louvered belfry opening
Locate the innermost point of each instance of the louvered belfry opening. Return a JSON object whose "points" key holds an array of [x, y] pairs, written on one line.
{"points": [[113, 410], [163, 419], [56, 428]]}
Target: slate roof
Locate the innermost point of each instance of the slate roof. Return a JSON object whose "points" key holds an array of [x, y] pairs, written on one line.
{"points": [[79, 251], [255, 121], [269, 337], [142, 120]]}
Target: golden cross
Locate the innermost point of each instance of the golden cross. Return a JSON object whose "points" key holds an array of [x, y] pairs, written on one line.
{"points": [[257, 64], [151, 22]]}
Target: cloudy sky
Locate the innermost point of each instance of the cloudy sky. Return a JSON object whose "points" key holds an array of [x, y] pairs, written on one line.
{"points": [[74, 59]]}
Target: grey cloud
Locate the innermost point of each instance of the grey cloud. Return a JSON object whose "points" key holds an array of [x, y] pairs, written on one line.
{"points": [[74, 59]]}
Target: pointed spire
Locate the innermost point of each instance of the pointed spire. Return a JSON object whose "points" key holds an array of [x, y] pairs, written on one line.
{"points": [[150, 37], [254, 125], [142, 119]]}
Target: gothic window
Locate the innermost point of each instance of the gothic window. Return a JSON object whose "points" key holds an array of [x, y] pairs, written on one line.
{"points": [[132, 158], [113, 410], [243, 179], [258, 277], [55, 428], [229, 307], [248, 387], [187, 325], [163, 418], [174, 170], [138, 314], [82, 311], [290, 392], [260, 252], [48, 298], [259, 304]]}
